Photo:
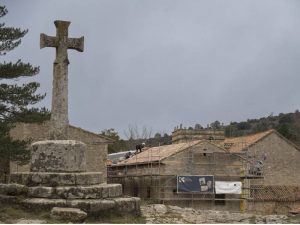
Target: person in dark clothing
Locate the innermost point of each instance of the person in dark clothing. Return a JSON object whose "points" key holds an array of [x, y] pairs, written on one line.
{"points": [[139, 147], [127, 155]]}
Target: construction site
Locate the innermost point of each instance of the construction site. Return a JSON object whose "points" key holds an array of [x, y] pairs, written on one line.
{"points": [[255, 173]]}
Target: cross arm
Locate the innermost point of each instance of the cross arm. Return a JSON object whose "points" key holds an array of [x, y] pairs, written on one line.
{"points": [[76, 43], [47, 41]]}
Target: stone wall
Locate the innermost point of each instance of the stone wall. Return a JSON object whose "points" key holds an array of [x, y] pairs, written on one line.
{"points": [[272, 207], [186, 135], [203, 159], [281, 166], [96, 154]]}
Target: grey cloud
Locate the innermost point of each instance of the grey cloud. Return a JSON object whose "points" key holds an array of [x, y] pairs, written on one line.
{"points": [[160, 63]]}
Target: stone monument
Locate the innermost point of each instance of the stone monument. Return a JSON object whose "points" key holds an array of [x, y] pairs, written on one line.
{"points": [[58, 176], [59, 154]]}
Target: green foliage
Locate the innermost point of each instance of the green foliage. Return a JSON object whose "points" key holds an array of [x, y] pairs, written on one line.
{"points": [[118, 144], [198, 126], [286, 124], [10, 37], [14, 70], [216, 125], [9, 148], [16, 100], [243, 125], [111, 133]]}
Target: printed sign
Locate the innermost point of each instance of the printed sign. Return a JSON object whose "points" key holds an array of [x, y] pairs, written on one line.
{"points": [[228, 187], [195, 183]]}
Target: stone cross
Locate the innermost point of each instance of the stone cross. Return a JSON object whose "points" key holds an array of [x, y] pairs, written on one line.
{"points": [[59, 112]]}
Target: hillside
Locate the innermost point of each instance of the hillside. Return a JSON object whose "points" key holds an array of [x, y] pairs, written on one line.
{"points": [[286, 124]]}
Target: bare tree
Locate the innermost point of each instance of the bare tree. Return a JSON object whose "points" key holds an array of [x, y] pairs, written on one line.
{"points": [[146, 132], [134, 133]]}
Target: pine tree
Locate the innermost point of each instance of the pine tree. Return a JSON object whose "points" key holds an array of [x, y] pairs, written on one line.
{"points": [[16, 100]]}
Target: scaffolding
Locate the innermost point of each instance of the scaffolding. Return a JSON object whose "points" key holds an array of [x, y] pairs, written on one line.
{"points": [[163, 182]]}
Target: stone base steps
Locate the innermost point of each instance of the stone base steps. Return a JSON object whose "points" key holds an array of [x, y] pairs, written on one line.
{"points": [[122, 204], [56, 179], [69, 214], [85, 191], [100, 191]]}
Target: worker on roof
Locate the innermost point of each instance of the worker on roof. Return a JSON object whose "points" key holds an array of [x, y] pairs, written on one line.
{"points": [[127, 155], [139, 147]]}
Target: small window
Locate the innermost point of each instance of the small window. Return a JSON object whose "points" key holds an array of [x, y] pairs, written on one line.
{"points": [[135, 190], [220, 199], [148, 192], [204, 154]]}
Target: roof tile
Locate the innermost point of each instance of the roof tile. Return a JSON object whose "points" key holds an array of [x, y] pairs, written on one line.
{"points": [[158, 153], [238, 144]]}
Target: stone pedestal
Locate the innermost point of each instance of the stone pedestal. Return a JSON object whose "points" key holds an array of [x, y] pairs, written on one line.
{"points": [[58, 156], [32, 179]]}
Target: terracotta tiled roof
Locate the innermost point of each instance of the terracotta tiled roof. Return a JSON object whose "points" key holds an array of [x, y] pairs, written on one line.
{"points": [[157, 153], [238, 144], [275, 193]]}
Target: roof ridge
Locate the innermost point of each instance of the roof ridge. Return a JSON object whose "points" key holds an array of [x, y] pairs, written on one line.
{"points": [[92, 133], [251, 135]]}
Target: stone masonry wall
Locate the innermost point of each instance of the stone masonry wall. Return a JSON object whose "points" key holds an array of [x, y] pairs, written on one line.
{"points": [[281, 166], [203, 159], [96, 145], [271, 207]]}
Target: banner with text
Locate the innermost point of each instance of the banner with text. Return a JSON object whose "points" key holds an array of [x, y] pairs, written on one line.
{"points": [[195, 183]]}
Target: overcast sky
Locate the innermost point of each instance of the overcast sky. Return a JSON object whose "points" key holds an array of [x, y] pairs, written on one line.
{"points": [[159, 63]]}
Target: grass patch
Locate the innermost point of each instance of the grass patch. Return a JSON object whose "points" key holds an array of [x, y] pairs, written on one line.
{"points": [[10, 214], [294, 218], [113, 217]]}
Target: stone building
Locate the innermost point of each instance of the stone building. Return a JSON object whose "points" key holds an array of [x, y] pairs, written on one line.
{"points": [[96, 154], [181, 135], [280, 190], [263, 162]]}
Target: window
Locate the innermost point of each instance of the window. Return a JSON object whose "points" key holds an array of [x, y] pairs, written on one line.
{"points": [[220, 199], [135, 190], [148, 192]]}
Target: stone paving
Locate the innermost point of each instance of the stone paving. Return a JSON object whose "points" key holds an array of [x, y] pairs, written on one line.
{"points": [[158, 213]]}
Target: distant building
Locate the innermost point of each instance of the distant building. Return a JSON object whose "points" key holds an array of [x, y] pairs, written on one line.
{"points": [[180, 135]]}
